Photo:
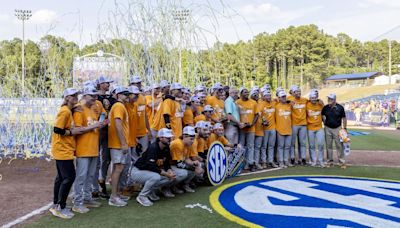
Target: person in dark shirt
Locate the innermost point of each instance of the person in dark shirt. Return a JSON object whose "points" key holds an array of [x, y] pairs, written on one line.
{"points": [[333, 116], [153, 168]]}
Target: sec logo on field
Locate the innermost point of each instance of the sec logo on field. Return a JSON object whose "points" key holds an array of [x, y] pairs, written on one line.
{"points": [[217, 163], [310, 201]]}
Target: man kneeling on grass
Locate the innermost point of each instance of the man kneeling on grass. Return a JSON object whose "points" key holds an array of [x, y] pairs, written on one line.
{"points": [[153, 168], [184, 166]]}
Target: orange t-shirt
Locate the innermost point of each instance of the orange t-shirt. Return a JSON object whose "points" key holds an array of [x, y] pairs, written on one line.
{"points": [[173, 109], [247, 110], [133, 122], [268, 112], [118, 111], [140, 104], [214, 137], [158, 120], [192, 151], [201, 145], [283, 118], [200, 117], [299, 115], [290, 97], [314, 117], [63, 147], [259, 126], [151, 109], [217, 104], [87, 144], [188, 117], [179, 151]]}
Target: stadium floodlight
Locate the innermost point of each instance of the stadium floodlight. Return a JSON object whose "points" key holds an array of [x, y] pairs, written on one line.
{"points": [[181, 17], [23, 15]]}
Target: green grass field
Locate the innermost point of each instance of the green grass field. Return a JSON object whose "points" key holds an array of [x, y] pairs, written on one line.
{"points": [[172, 212], [377, 140]]}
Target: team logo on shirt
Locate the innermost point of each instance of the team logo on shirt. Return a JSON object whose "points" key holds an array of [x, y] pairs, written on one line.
{"points": [[310, 201], [217, 163], [284, 113]]}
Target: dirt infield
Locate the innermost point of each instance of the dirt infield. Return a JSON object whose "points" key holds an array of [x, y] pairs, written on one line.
{"points": [[27, 184], [374, 158]]}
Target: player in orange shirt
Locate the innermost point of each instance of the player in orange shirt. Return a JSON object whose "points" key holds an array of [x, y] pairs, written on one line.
{"points": [[299, 126], [142, 128], [283, 120], [203, 132], [63, 148], [133, 154], [316, 136], [118, 135], [172, 110], [182, 164], [249, 117], [218, 135], [268, 121], [218, 104], [87, 150], [259, 130]]}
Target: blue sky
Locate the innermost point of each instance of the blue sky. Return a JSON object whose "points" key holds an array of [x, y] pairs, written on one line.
{"points": [[229, 21]]}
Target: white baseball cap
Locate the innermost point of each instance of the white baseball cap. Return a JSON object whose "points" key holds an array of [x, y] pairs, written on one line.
{"points": [[155, 86], [70, 92], [332, 96], [122, 89], [189, 130], [195, 99], [202, 124], [200, 88], [253, 91], [241, 90], [89, 90], [281, 93], [218, 126], [186, 90], [176, 85], [201, 94], [103, 79], [89, 83], [165, 133], [217, 85], [294, 88], [267, 93], [313, 95], [208, 108], [164, 83], [135, 79], [134, 89]]}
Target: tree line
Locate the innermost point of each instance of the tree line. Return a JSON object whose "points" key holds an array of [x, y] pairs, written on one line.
{"points": [[303, 55]]}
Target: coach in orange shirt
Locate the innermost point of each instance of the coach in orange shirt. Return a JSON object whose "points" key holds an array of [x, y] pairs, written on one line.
{"points": [[299, 126], [283, 118], [248, 116], [118, 135], [316, 134]]}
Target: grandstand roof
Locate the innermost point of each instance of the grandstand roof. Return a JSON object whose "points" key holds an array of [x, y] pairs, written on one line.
{"points": [[354, 76]]}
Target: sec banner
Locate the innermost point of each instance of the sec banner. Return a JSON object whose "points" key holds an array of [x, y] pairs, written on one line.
{"points": [[310, 201], [217, 163]]}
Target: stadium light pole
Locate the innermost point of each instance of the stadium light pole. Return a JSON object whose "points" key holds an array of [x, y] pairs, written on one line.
{"points": [[181, 17], [23, 15]]}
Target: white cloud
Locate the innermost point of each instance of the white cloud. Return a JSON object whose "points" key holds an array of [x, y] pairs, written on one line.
{"points": [[4, 17], [43, 16]]}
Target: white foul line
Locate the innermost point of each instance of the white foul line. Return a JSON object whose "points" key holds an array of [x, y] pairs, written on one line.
{"points": [[261, 171], [27, 216]]}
